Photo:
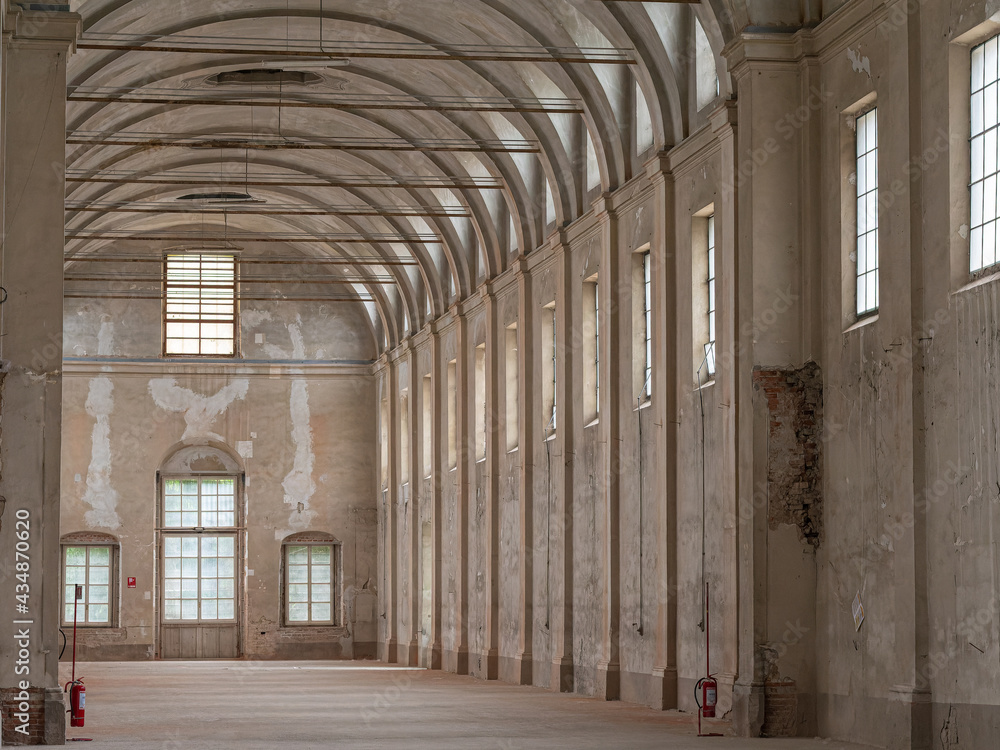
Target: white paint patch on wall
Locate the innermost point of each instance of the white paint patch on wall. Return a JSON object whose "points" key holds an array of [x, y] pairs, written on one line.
{"points": [[105, 339], [253, 318], [200, 412], [100, 495], [858, 63], [298, 484]]}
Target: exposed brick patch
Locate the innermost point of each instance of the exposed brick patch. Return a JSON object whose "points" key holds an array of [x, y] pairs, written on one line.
{"points": [[11, 705], [780, 707], [794, 450]]}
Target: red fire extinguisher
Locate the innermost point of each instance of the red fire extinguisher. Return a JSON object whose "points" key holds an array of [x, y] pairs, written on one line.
{"points": [[708, 685], [77, 692], [709, 696], [77, 702]]}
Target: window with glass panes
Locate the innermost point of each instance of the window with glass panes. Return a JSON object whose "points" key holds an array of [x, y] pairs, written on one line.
{"points": [[90, 567], [199, 578], [200, 305], [866, 129], [309, 584], [647, 314], [710, 344], [555, 359], [984, 239], [199, 502]]}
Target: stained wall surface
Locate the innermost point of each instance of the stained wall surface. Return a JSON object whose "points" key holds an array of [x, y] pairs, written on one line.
{"points": [[293, 414]]}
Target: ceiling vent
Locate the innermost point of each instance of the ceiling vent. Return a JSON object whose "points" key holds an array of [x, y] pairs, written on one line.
{"points": [[221, 198], [265, 77]]}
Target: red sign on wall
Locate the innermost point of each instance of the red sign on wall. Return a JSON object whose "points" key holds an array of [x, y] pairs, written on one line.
{"points": [[131, 583]]}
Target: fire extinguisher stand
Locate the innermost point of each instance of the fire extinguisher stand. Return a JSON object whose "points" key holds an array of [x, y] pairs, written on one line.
{"points": [[77, 693], [708, 678]]}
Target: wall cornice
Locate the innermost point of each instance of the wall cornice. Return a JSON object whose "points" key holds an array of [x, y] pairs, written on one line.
{"points": [[151, 368]]}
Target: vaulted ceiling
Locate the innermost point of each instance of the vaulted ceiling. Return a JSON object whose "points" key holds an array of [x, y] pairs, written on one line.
{"points": [[416, 145]]}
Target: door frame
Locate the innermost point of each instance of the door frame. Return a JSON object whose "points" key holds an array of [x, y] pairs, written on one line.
{"points": [[238, 531]]}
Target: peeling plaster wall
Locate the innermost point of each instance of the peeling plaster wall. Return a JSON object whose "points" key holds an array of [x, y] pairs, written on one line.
{"points": [[302, 429]]}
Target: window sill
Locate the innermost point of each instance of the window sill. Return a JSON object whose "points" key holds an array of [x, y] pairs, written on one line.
{"points": [[550, 438], [332, 631], [644, 404], [94, 628], [593, 423], [867, 320], [980, 278], [706, 384], [511, 451]]}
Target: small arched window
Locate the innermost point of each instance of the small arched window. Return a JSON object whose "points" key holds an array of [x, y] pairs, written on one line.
{"points": [[311, 578], [90, 579]]}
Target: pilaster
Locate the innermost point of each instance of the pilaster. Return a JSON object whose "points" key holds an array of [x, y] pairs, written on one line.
{"points": [[391, 515], [35, 48], [415, 500], [561, 540], [465, 364], [611, 285], [494, 436], [528, 406], [665, 381]]}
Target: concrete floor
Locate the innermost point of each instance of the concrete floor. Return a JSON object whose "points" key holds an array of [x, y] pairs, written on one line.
{"points": [[300, 705]]}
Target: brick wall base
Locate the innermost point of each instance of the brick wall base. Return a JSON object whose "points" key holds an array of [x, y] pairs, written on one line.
{"points": [[44, 711], [780, 707]]}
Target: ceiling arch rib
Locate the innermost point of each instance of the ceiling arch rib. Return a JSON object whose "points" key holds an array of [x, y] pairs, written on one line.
{"points": [[421, 196], [539, 126], [516, 51], [487, 74]]}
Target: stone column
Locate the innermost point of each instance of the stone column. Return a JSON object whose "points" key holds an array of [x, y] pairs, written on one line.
{"points": [[391, 652], [527, 408], [494, 436], [35, 48], [439, 456], [734, 341], [561, 541], [614, 358], [415, 499], [769, 333], [465, 364], [666, 380]]}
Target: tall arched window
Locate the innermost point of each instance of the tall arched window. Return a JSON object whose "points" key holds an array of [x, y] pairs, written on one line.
{"points": [[311, 579], [201, 554]]}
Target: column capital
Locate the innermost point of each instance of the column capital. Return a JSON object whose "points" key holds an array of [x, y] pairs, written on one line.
{"points": [[421, 337], [658, 168], [460, 309], [434, 327], [520, 266], [487, 290], [724, 117], [43, 25], [604, 207]]}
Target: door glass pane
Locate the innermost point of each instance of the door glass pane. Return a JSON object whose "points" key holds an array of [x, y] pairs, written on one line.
{"points": [[199, 584]]}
